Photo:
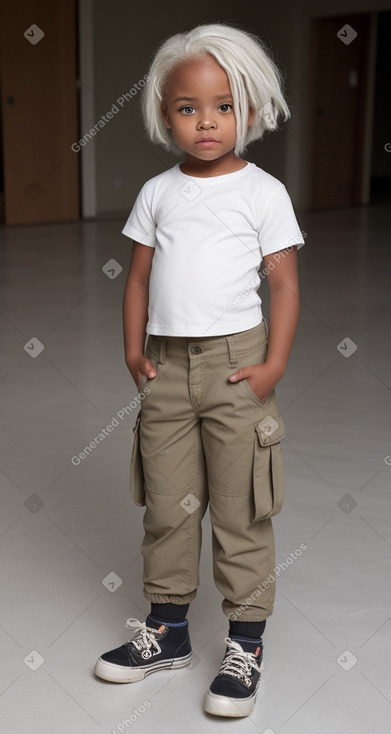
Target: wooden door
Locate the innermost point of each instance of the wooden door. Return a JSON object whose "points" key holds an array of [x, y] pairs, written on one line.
{"points": [[39, 108], [339, 69]]}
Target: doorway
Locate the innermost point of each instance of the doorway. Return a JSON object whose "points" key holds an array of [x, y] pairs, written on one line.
{"points": [[380, 171], [340, 98], [39, 111]]}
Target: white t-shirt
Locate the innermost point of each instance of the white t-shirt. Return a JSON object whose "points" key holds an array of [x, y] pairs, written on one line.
{"points": [[210, 235]]}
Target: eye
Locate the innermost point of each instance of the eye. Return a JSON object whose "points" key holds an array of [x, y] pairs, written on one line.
{"points": [[226, 105], [187, 109]]}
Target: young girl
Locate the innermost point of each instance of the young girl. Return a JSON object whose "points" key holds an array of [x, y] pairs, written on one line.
{"points": [[209, 429]]}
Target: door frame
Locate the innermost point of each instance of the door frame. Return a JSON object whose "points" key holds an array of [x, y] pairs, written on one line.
{"points": [[87, 107], [368, 121]]}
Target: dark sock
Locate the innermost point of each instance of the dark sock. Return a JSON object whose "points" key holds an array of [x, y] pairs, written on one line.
{"points": [[169, 612], [253, 630]]}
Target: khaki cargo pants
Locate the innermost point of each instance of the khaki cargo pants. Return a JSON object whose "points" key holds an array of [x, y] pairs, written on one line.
{"points": [[200, 439]]}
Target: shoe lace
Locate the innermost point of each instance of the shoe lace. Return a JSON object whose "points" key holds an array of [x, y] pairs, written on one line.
{"points": [[239, 663], [144, 639]]}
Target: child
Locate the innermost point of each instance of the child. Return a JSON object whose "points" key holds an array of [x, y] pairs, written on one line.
{"points": [[209, 429]]}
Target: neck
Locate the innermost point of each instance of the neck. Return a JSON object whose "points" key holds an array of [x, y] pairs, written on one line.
{"points": [[204, 169]]}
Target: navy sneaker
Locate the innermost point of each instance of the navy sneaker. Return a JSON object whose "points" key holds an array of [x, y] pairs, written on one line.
{"points": [[234, 689], [154, 646]]}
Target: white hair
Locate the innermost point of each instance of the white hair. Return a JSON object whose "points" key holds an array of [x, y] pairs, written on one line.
{"points": [[253, 76]]}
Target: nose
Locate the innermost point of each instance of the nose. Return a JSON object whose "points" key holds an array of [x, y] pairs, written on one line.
{"points": [[206, 124]]}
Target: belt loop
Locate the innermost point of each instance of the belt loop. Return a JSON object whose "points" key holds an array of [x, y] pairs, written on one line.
{"points": [[162, 351], [233, 360]]}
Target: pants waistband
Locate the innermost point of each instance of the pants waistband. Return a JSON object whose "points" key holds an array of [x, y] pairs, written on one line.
{"points": [[208, 346]]}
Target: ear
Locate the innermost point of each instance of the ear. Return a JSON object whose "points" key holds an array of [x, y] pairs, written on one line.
{"points": [[163, 108], [251, 117]]}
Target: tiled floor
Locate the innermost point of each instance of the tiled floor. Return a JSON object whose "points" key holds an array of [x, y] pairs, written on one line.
{"points": [[64, 527]]}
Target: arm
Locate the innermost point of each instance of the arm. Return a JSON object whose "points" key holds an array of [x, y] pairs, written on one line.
{"points": [[284, 316], [284, 308], [135, 311]]}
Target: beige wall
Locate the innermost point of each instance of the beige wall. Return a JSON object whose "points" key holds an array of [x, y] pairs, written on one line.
{"points": [[125, 35]]}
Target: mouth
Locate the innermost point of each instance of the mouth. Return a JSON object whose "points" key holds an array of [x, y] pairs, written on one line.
{"points": [[206, 141]]}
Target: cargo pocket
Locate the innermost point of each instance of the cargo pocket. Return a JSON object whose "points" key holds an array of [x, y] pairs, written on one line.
{"points": [[136, 478], [268, 468]]}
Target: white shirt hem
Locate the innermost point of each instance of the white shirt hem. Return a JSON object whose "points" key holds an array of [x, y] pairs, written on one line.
{"points": [[231, 328]]}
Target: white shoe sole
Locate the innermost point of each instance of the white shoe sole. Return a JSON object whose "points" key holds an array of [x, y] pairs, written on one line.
{"points": [[226, 706], [126, 674]]}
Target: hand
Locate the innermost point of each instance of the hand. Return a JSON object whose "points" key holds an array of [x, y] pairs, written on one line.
{"points": [[261, 378], [140, 367]]}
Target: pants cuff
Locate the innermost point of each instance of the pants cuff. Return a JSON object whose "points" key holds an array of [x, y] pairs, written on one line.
{"points": [[170, 598]]}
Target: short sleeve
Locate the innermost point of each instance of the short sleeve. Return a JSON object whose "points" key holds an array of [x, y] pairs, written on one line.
{"points": [[140, 225], [279, 228]]}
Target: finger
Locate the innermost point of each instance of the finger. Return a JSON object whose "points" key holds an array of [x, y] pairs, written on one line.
{"points": [[239, 375], [149, 369]]}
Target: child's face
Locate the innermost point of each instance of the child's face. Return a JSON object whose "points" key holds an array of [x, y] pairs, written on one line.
{"points": [[206, 113]]}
